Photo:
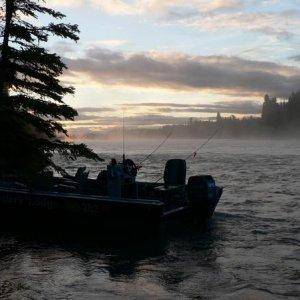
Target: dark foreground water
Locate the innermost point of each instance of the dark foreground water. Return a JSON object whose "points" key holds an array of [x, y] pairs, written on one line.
{"points": [[250, 249]]}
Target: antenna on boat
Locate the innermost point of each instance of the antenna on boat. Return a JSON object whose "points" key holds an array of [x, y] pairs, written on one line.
{"points": [[123, 137]]}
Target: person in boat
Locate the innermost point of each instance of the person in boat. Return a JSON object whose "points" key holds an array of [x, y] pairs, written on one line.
{"points": [[115, 178], [114, 170]]}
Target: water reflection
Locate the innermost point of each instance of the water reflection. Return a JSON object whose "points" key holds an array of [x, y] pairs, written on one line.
{"points": [[169, 256]]}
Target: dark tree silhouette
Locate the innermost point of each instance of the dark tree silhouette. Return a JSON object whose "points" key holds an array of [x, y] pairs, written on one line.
{"points": [[282, 114], [271, 112], [31, 94], [293, 109]]}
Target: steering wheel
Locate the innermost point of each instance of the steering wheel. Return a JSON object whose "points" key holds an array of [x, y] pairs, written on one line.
{"points": [[130, 167]]}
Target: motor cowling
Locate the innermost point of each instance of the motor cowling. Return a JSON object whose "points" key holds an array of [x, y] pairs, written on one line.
{"points": [[201, 192]]}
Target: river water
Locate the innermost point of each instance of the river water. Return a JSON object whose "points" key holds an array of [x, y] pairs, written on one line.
{"points": [[249, 250]]}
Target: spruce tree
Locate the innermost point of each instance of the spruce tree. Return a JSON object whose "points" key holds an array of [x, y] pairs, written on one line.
{"points": [[31, 94]]}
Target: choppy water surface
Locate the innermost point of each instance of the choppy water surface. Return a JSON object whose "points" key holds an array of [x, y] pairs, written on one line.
{"points": [[250, 250]]}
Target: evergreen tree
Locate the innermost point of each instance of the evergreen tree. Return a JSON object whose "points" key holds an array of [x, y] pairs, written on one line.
{"points": [[31, 94], [271, 112], [293, 108]]}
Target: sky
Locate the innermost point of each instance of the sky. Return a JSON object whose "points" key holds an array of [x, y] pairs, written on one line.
{"points": [[163, 61]]}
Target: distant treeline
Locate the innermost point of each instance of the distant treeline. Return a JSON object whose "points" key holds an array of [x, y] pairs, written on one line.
{"points": [[278, 119], [285, 114]]}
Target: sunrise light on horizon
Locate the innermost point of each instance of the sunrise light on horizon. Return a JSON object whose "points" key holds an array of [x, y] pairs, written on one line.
{"points": [[165, 61]]}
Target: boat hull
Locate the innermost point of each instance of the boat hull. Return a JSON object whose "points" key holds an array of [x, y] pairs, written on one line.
{"points": [[24, 207]]}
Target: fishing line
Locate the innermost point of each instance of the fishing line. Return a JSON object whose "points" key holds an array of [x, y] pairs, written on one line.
{"points": [[160, 145], [202, 145], [197, 149]]}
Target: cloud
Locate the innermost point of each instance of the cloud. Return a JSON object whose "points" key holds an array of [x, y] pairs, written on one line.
{"points": [[88, 115], [67, 3], [158, 7], [155, 7], [88, 123], [139, 120], [85, 118], [177, 71], [94, 109], [233, 107], [108, 43], [295, 58], [156, 104], [116, 7], [92, 114], [283, 24], [63, 47], [154, 119], [240, 15]]}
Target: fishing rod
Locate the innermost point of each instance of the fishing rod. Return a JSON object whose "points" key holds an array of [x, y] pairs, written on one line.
{"points": [[152, 152], [155, 149], [193, 154]]}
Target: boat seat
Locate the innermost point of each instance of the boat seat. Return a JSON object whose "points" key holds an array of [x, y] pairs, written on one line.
{"points": [[175, 172], [174, 180], [102, 178], [82, 174]]}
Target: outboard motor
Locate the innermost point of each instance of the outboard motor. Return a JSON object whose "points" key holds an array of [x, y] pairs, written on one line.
{"points": [[202, 195]]}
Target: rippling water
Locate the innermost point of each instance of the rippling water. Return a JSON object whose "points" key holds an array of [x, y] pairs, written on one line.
{"points": [[249, 250]]}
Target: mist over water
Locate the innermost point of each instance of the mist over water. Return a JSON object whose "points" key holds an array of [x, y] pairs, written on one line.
{"points": [[249, 250]]}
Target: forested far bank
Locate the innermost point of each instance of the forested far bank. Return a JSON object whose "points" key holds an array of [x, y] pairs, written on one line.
{"points": [[279, 119]]}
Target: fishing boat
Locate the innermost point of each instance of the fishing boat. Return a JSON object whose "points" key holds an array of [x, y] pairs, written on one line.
{"points": [[115, 196]]}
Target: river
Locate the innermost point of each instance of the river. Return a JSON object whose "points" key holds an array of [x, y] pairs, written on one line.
{"points": [[249, 250]]}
